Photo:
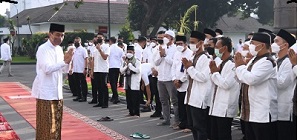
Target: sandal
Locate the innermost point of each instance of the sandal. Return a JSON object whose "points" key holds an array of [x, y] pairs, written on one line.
{"points": [[131, 135], [105, 119], [187, 130], [140, 136]]}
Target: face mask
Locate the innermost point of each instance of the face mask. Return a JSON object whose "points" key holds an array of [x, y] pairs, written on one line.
{"points": [[160, 41], [193, 47], [218, 54], [206, 41], [252, 50], [210, 50], [166, 40], [129, 55], [99, 40], [148, 44], [275, 48], [244, 53], [180, 48], [152, 44], [76, 44]]}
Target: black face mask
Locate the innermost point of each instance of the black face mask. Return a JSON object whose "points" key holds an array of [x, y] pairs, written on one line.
{"points": [[210, 50], [100, 40], [76, 44], [160, 41]]}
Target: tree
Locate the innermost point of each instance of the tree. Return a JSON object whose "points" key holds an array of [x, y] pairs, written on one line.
{"points": [[3, 21], [144, 14], [126, 33]]}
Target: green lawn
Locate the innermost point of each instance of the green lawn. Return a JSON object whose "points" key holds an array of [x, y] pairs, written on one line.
{"points": [[22, 59]]}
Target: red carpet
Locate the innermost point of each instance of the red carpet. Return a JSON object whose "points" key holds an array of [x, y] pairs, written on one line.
{"points": [[6, 132], [74, 127]]}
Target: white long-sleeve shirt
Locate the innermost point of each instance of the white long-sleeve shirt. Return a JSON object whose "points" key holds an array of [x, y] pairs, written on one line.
{"points": [[5, 52], [164, 64], [262, 91], [50, 66], [178, 72], [286, 82]]}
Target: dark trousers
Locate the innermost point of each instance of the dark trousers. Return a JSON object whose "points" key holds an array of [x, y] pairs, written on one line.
{"points": [[154, 92], [121, 80], [133, 104], [220, 128], [260, 131], [182, 110], [208, 123], [294, 127], [113, 81], [100, 80], [71, 80], [284, 130], [94, 90], [197, 119], [80, 85]]}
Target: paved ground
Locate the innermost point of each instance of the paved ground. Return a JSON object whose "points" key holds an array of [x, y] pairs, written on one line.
{"points": [[124, 125]]}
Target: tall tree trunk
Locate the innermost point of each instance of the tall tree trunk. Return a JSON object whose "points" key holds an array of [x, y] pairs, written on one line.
{"points": [[150, 10], [164, 16]]}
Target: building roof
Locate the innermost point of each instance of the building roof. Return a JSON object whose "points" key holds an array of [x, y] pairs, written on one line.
{"points": [[235, 24], [88, 12]]}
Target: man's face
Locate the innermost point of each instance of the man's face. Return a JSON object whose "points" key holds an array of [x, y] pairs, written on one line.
{"points": [[280, 42], [169, 37], [208, 36], [220, 47], [180, 43], [160, 36], [211, 43], [100, 37], [56, 37]]}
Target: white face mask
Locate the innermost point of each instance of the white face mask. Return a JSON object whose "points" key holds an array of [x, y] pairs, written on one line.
{"points": [[193, 47], [252, 50], [129, 55], [166, 40], [180, 48], [275, 48], [206, 41], [148, 44], [152, 44], [245, 53]]}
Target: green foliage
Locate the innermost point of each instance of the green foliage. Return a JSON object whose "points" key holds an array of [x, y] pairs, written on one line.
{"points": [[3, 21], [184, 21], [126, 32]]}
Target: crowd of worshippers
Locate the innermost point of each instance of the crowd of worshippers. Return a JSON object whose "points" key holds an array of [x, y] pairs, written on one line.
{"points": [[203, 79]]}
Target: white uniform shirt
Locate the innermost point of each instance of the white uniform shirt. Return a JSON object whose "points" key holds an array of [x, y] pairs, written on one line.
{"points": [[164, 64], [218, 61], [79, 58], [286, 82], [138, 51], [5, 52], [101, 65], [201, 87], [146, 71], [70, 47], [262, 90], [178, 72], [225, 100], [115, 57], [50, 65]]}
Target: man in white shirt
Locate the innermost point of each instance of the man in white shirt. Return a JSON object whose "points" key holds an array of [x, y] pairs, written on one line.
{"points": [[167, 91], [47, 86], [180, 78], [199, 86], [224, 101], [132, 71], [286, 83], [71, 78], [115, 62], [80, 69], [239, 46], [99, 72], [6, 56], [293, 58], [139, 48], [259, 89]]}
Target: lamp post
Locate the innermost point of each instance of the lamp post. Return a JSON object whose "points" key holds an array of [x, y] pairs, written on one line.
{"points": [[108, 18], [18, 31]]}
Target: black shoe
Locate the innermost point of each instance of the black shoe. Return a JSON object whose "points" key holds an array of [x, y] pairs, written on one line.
{"points": [[112, 100], [146, 109], [116, 101], [161, 117], [104, 106], [76, 99], [155, 115], [74, 95], [92, 102], [97, 105], [82, 100], [121, 86]]}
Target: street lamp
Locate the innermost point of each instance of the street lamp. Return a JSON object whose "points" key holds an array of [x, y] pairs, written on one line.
{"points": [[18, 31], [108, 18]]}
